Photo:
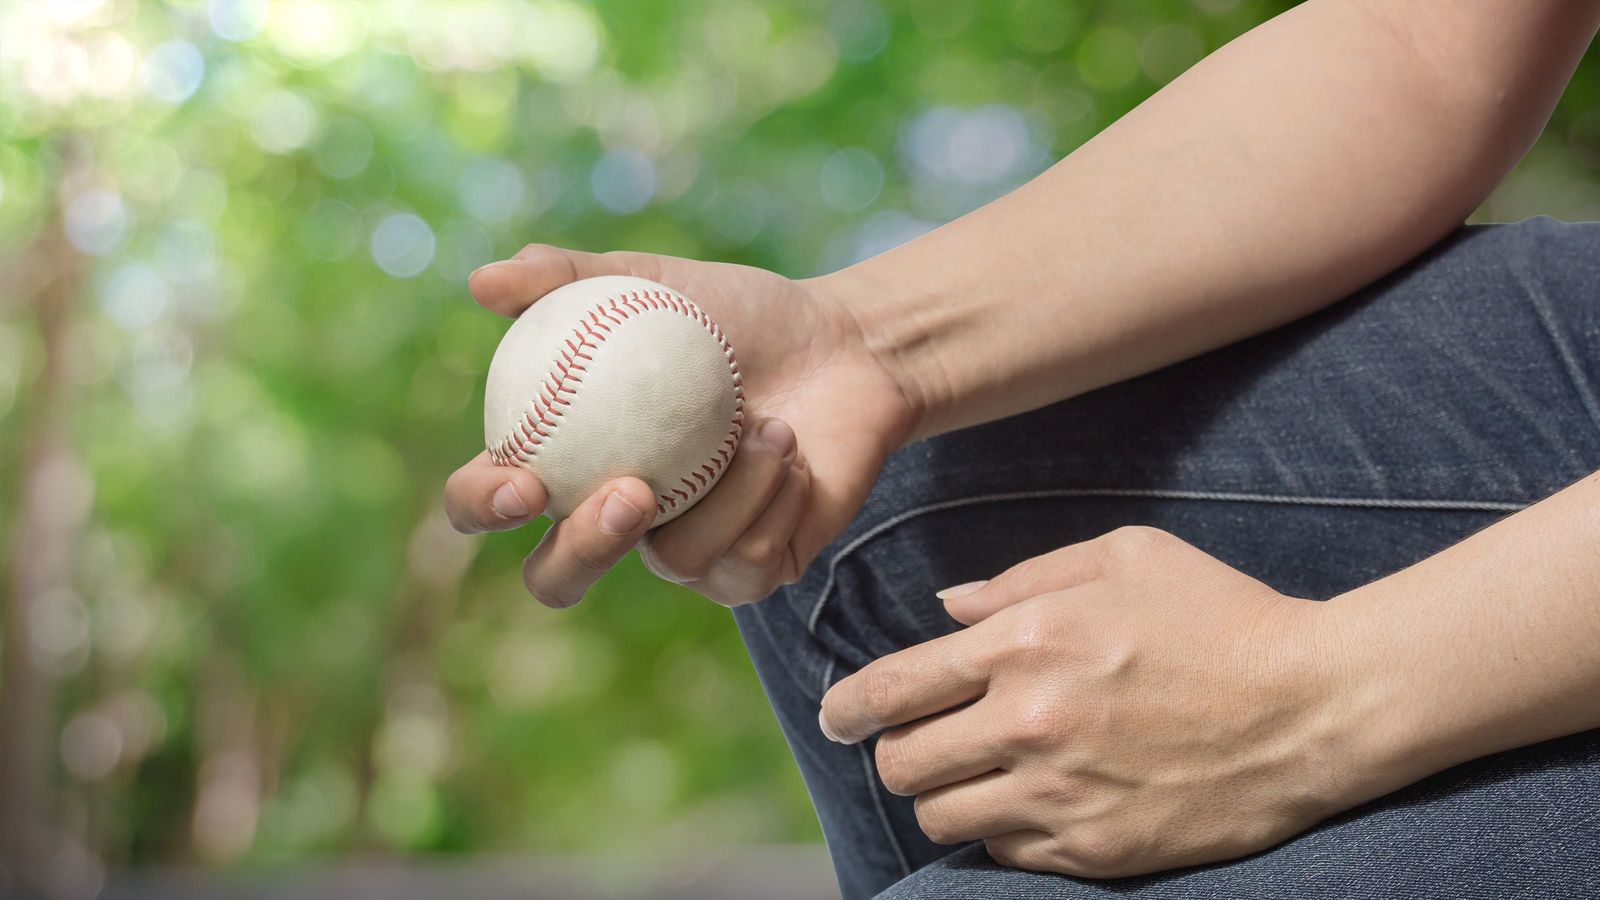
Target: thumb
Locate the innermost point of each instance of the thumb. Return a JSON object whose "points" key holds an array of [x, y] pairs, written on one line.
{"points": [[512, 285]]}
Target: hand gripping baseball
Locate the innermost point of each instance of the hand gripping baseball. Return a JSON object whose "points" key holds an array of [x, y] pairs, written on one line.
{"points": [[820, 414]]}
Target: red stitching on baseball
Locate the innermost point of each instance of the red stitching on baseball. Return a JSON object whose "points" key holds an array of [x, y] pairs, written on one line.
{"points": [[544, 412]]}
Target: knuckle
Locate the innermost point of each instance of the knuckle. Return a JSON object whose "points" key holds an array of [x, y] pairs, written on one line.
{"points": [[1115, 657], [1131, 541], [934, 820], [1003, 854], [1030, 633], [756, 551], [892, 768], [1024, 574], [1008, 854], [589, 559], [553, 594], [1098, 851], [633, 262], [1039, 722], [880, 692]]}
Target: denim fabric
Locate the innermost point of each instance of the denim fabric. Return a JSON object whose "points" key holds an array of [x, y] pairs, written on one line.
{"points": [[1316, 458]]}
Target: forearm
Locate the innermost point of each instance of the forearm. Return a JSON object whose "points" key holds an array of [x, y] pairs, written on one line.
{"points": [[1491, 644], [1286, 170]]}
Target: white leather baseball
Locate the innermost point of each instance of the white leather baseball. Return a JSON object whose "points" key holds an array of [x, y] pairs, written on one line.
{"points": [[614, 376]]}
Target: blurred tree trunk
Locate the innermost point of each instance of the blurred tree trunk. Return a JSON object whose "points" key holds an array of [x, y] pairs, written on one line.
{"points": [[44, 529]]}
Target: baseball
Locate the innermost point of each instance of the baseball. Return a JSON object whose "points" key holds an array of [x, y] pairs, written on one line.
{"points": [[615, 376]]}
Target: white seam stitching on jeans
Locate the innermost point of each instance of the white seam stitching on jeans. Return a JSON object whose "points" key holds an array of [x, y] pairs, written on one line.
{"points": [[883, 813], [1225, 496]]}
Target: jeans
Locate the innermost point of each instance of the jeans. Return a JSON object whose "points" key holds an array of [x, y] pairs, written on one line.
{"points": [[1317, 457]]}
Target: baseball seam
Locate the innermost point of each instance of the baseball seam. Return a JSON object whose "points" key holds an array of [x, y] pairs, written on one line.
{"points": [[560, 386]]}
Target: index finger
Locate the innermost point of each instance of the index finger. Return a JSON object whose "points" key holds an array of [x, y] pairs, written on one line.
{"points": [[903, 687]]}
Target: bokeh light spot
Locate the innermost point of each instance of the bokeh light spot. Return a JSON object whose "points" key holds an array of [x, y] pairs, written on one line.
{"points": [[1108, 58], [402, 245], [491, 190], [623, 181], [850, 179], [186, 251], [114, 65], [71, 13], [860, 29], [980, 147], [91, 745], [736, 31], [885, 231], [173, 71], [59, 632], [282, 122], [134, 296], [315, 32], [237, 20], [561, 39], [96, 221]]}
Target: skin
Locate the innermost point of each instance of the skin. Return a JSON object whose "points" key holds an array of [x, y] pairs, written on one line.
{"points": [[1288, 169], [836, 413]]}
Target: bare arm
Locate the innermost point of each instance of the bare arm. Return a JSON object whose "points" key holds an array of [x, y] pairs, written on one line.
{"points": [[1491, 644], [1300, 162], [1295, 165]]}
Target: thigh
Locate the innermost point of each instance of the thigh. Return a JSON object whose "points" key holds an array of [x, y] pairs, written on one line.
{"points": [[1316, 458]]}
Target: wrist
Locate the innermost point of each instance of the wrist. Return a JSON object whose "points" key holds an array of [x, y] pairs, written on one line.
{"points": [[905, 333], [1386, 727]]}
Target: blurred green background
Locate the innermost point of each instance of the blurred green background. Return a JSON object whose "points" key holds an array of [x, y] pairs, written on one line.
{"points": [[237, 361]]}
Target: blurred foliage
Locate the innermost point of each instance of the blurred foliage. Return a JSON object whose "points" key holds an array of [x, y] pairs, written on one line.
{"points": [[269, 643]]}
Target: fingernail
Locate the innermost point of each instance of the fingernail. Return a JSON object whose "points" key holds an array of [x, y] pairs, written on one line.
{"points": [[507, 503], [484, 266], [823, 724], [777, 434], [618, 516], [960, 590]]}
